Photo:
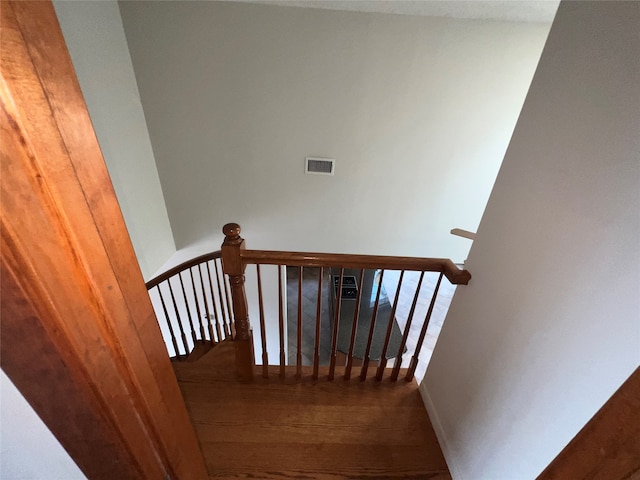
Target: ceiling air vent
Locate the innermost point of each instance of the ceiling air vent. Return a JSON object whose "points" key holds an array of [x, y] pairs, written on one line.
{"points": [[319, 166]]}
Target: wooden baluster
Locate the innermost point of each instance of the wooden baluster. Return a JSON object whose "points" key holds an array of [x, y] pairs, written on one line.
{"points": [[166, 316], [195, 296], [230, 309], [281, 320], [213, 303], [392, 319], [405, 335], [336, 321], [354, 328], [316, 355], [206, 305], [299, 339], [186, 303], [423, 332], [365, 360], [234, 267], [263, 332], [224, 307], [175, 307]]}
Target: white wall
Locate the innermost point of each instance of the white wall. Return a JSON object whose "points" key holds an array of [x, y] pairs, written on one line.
{"points": [[417, 111], [29, 451], [549, 326], [95, 39]]}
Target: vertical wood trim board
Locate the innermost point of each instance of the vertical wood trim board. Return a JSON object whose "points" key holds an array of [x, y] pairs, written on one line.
{"points": [[79, 336], [608, 446]]}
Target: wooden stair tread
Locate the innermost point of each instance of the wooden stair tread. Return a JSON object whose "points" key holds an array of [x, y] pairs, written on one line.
{"points": [[218, 360], [201, 348], [284, 429]]}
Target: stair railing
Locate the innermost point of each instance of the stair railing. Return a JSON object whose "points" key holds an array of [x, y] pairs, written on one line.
{"points": [[235, 258], [195, 300]]}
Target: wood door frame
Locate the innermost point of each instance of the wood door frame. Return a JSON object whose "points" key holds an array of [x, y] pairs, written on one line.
{"points": [[608, 447], [79, 336]]}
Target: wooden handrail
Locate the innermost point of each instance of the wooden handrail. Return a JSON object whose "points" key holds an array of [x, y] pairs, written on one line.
{"points": [[454, 274], [463, 233], [295, 259], [182, 267]]}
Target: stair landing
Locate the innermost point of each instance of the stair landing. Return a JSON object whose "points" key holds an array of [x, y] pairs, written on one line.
{"points": [[274, 429]]}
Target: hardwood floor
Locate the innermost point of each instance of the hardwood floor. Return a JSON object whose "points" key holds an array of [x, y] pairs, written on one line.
{"points": [[283, 429]]}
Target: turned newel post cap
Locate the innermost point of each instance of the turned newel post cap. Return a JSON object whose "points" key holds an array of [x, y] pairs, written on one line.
{"points": [[231, 231]]}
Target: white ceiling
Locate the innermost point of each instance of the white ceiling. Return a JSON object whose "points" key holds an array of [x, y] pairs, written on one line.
{"points": [[531, 11]]}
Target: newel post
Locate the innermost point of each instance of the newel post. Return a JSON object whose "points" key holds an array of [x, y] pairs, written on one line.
{"points": [[234, 267]]}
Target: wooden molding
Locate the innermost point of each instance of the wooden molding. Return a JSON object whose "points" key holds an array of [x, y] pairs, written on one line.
{"points": [[307, 259], [79, 336], [463, 233], [181, 268], [608, 447]]}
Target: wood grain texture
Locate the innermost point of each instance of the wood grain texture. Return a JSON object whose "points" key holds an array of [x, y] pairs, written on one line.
{"points": [[263, 330], [307, 259], [182, 267], [234, 268], [463, 233], [67, 248], [291, 429], [33, 361], [608, 447]]}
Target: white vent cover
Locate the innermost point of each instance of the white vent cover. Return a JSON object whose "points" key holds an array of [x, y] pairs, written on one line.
{"points": [[319, 166]]}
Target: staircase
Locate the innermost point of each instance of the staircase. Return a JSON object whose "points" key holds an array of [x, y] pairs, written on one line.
{"points": [[345, 417]]}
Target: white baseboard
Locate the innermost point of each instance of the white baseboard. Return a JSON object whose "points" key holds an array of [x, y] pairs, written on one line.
{"points": [[449, 456]]}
